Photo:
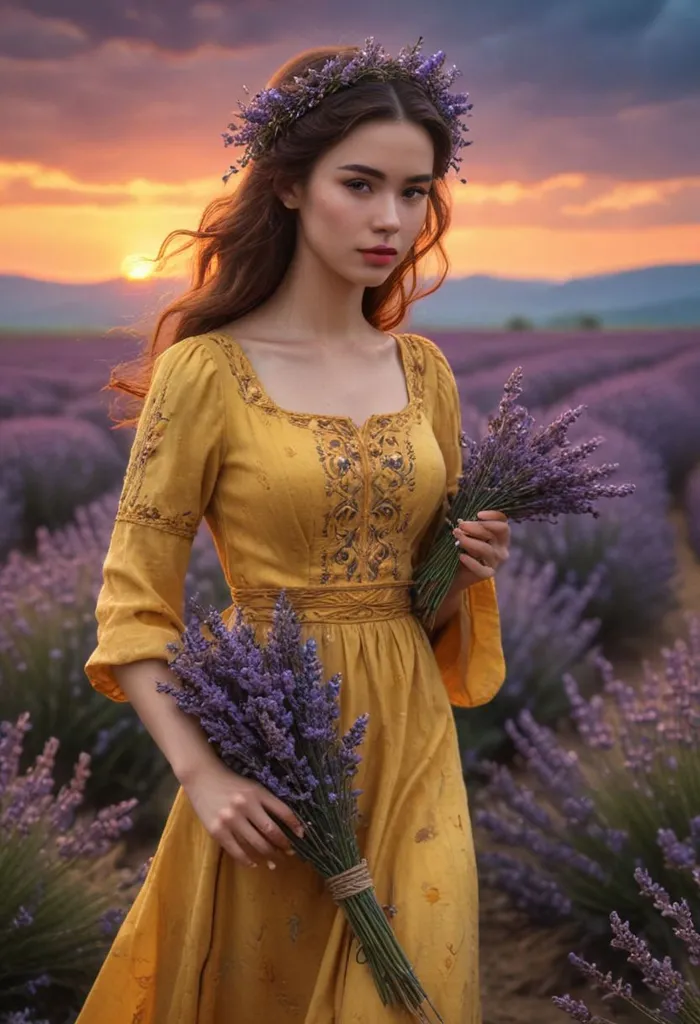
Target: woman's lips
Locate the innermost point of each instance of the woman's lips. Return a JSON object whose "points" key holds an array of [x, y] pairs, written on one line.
{"points": [[378, 259]]}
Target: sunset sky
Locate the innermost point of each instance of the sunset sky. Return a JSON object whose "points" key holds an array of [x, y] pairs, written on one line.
{"points": [[585, 127]]}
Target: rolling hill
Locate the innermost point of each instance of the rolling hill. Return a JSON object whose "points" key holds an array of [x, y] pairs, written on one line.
{"points": [[657, 296]]}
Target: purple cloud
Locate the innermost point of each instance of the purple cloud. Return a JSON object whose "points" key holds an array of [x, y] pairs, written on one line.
{"points": [[109, 92]]}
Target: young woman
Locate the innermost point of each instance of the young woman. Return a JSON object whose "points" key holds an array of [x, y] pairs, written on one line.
{"points": [[320, 448]]}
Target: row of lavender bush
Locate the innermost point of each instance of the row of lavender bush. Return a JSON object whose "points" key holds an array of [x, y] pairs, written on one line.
{"points": [[568, 639], [47, 631], [577, 835], [545, 634], [61, 897], [632, 541], [58, 451], [657, 406], [592, 586], [478, 350], [576, 584], [550, 375], [581, 832], [51, 465], [67, 367]]}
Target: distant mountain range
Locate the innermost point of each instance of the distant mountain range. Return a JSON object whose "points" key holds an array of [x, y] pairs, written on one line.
{"points": [[657, 296]]}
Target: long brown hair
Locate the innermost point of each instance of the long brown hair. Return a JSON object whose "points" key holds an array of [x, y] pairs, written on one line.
{"points": [[245, 241]]}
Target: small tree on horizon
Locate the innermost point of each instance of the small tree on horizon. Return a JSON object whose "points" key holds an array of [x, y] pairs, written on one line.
{"points": [[519, 323], [589, 322]]}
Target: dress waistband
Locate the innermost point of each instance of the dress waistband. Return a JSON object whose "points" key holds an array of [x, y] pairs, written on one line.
{"points": [[348, 603]]}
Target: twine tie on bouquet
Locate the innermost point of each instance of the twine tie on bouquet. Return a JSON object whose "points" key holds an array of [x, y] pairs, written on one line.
{"points": [[350, 883]]}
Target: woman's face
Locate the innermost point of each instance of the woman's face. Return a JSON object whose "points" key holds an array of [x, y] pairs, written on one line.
{"points": [[371, 189]]}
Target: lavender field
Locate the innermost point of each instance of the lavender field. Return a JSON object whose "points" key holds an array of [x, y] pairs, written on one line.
{"points": [[584, 770]]}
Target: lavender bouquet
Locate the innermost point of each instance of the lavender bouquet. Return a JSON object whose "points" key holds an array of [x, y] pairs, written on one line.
{"points": [[524, 473], [268, 713]]}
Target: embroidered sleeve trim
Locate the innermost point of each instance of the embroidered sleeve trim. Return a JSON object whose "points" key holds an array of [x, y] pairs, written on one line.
{"points": [[134, 505]]}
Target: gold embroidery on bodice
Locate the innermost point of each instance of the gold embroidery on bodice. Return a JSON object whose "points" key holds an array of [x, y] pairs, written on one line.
{"points": [[368, 470]]}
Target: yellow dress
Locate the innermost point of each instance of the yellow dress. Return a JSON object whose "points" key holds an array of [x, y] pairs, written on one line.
{"points": [[335, 513]]}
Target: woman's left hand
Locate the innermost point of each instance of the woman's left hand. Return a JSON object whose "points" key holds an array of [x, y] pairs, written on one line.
{"points": [[486, 541]]}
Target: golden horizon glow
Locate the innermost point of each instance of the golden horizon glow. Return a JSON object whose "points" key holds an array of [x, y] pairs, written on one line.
{"points": [[562, 226], [137, 267]]}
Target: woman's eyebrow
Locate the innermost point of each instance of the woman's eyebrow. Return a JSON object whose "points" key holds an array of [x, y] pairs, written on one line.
{"points": [[372, 172]]}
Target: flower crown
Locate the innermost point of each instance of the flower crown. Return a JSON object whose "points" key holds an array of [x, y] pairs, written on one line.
{"points": [[271, 112]]}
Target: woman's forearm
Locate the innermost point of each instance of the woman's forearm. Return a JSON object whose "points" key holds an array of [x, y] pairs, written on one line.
{"points": [[178, 735], [447, 609]]}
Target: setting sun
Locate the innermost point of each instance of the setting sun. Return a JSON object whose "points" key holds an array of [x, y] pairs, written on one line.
{"points": [[137, 267]]}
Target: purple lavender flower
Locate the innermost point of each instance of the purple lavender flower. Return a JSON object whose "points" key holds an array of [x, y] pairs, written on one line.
{"points": [[22, 919], [50, 932], [633, 592], [271, 717], [680, 997], [474, 423], [576, 1009], [528, 889], [553, 374], [273, 111], [47, 630], [523, 472], [658, 406], [111, 920], [41, 981], [544, 636], [266, 708], [604, 981], [25, 1016], [62, 463], [658, 975], [583, 822], [28, 800], [678, 912], [95, 406], [21, 394], [677, 854]]}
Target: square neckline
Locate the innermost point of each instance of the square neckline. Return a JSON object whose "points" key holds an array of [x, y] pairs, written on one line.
{"points": [[334, 417]]}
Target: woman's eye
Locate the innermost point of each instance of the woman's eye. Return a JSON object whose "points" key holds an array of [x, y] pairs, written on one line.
{"points": [[352, 184]]}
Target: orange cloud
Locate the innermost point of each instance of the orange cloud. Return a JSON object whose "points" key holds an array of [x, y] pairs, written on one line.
{"points": [[57, 225], [35, 178], [632, 195], [531, 251], [509, 193]]}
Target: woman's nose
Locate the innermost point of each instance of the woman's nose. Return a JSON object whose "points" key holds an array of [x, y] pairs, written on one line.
{"points": [[387, 216]]}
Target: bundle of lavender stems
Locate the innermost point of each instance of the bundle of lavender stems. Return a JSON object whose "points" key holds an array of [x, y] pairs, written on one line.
{"points": [[270, 716], [523, 472]]}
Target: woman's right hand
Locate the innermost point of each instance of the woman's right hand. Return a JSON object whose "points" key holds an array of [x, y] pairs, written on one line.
{"points": [[237, 812]]}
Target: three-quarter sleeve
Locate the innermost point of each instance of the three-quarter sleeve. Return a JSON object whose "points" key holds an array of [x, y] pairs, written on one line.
{"points": [[169, 483], [468, 647]]}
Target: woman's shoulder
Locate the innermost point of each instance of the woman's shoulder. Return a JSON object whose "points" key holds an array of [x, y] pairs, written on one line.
{"points": [[193, 361], [430, 358]]}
